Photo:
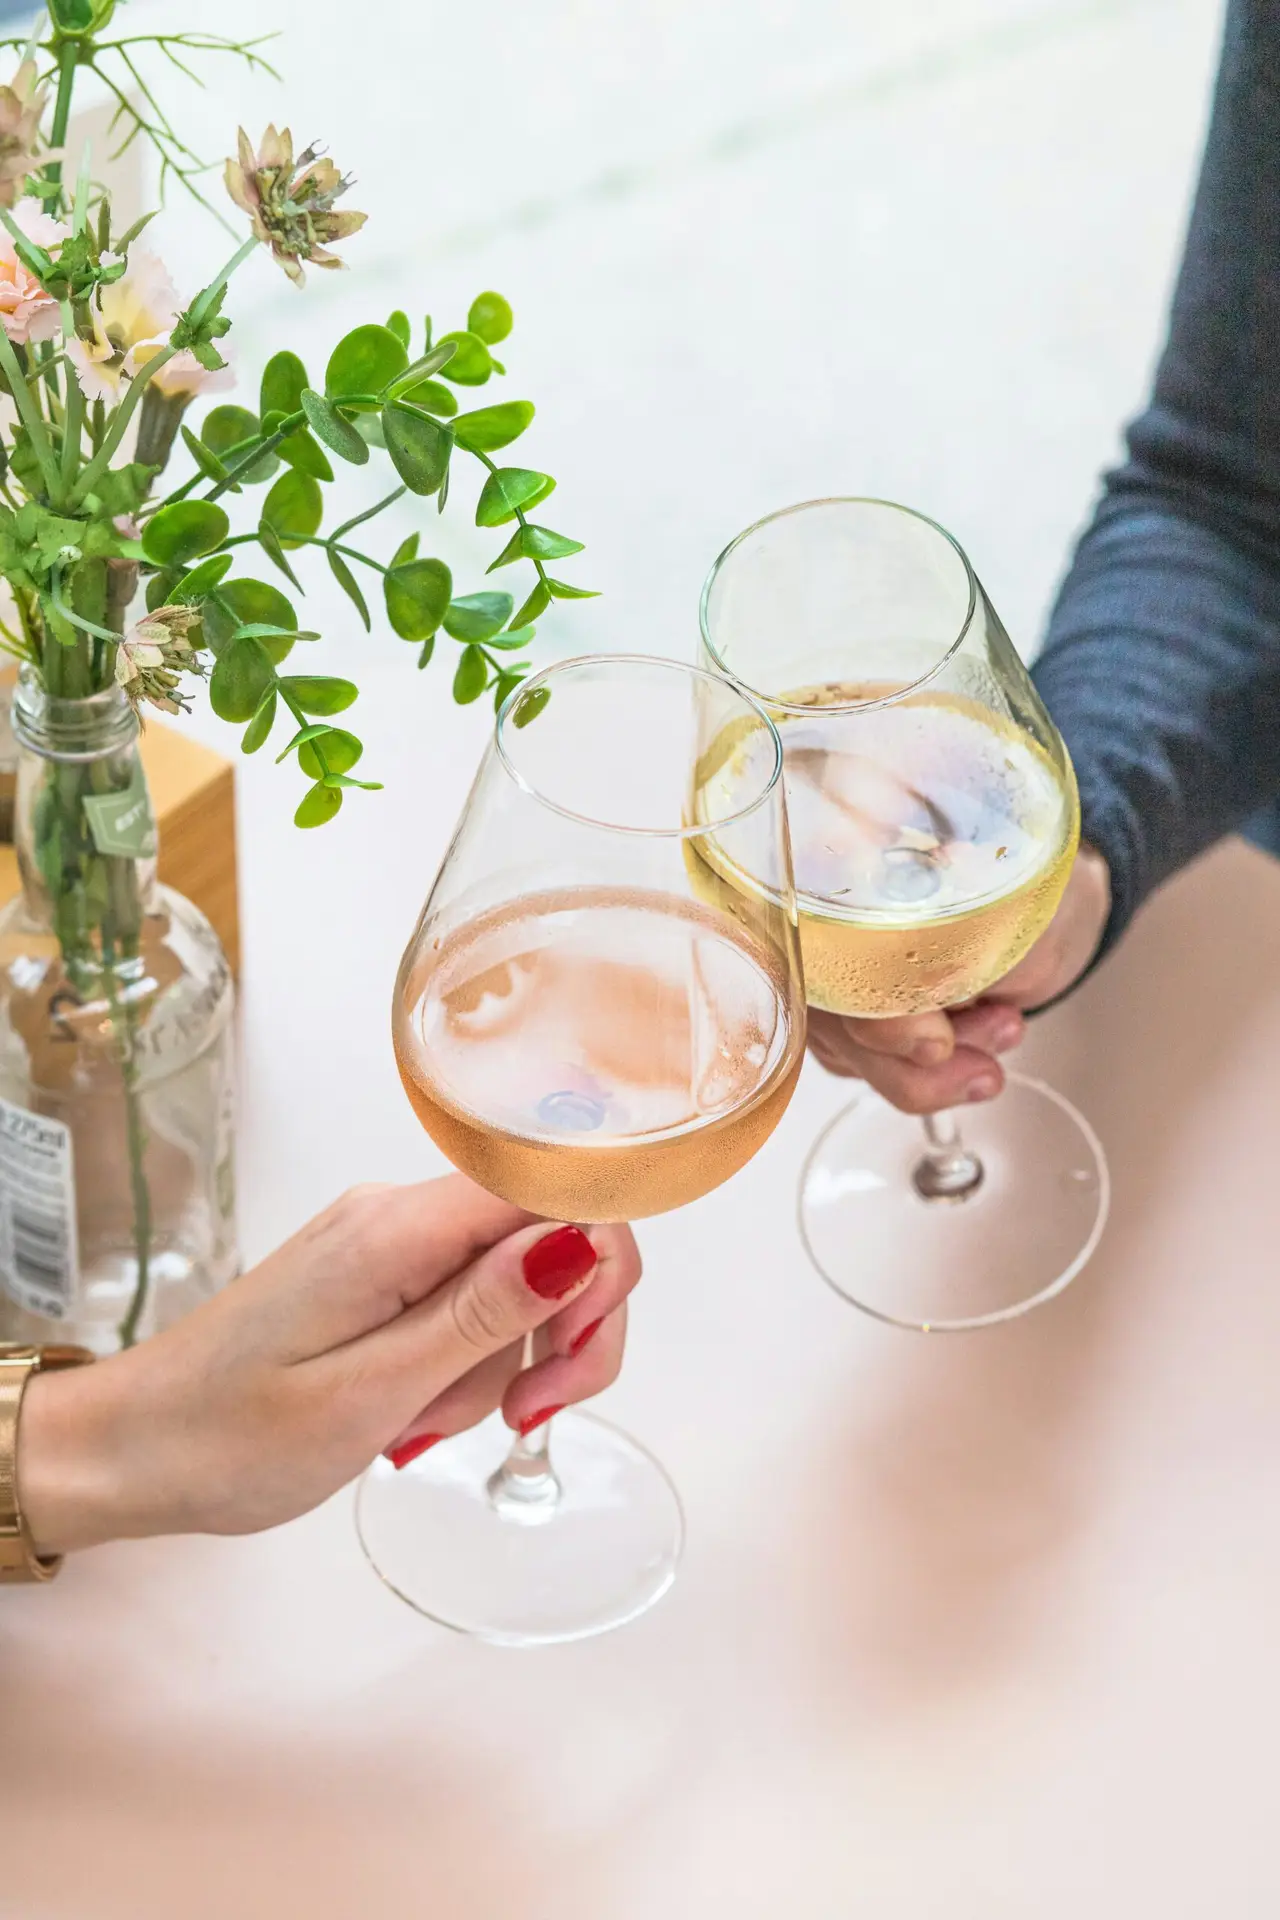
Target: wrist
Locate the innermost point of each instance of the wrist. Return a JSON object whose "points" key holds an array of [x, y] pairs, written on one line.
{"points": [[72, 1487]]}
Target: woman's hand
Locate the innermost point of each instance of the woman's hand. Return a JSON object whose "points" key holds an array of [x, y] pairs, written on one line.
{"points": [[934, 1060], [397, 1315]]}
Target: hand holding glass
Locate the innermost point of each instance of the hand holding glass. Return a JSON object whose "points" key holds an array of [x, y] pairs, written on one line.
{"points": [[592, 1030], [934, 821]]}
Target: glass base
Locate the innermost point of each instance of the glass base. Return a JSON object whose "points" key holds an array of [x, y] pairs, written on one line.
{"points": [[593, 1558], [902, 1247]]}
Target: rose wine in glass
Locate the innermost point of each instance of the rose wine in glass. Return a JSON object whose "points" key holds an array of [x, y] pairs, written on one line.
{"points": [[934, 820], [627, 1050], [588, 1035]]}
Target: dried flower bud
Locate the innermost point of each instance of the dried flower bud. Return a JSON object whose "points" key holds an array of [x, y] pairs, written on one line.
{"points": [[291, 203], [153, 656]]}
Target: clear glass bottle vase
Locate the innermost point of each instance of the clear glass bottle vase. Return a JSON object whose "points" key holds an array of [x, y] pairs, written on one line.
{"points": [[117, 1189]]}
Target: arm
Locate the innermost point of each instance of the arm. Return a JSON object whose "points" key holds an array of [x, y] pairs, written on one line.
{"points": [[1162, 662]]}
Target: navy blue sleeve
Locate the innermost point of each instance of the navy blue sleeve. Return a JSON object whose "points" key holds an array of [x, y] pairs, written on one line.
{"points": [[1162, 661]]}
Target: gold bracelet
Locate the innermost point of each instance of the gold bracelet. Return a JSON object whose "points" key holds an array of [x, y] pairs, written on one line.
{"points": [[18, 1557]]}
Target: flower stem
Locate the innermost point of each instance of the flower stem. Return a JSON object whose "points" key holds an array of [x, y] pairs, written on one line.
{"points": [[311, 540], [136, 1144], [74, 420], [68, 61], [119, 426], [29, 412]]}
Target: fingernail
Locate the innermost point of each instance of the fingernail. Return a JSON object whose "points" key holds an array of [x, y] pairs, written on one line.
{"points": [[929, 1053], [558, 1261], [985, 1087], [538, 1419], [588, 1333], [1007, 1035], [408, 1450]]}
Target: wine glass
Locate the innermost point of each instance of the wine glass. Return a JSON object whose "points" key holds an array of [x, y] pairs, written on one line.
{"points": [[934, 820], [592, 1027]]}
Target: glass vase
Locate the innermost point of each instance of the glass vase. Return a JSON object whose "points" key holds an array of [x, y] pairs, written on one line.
{"points": [[117, 1191]]}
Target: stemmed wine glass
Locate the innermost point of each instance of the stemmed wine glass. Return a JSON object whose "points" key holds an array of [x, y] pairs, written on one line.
{"points": [[934, 820], [594, 1028]]}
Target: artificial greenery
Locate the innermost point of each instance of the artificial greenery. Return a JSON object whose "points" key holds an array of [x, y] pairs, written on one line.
{"points": [[120, 573], [102, 380]]}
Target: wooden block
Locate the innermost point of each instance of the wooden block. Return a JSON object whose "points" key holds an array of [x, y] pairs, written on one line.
{"points": [[193, 797]]}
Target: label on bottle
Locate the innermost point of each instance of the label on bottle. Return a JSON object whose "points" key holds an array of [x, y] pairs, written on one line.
{"points": [[39, 1248], [121, 822]]}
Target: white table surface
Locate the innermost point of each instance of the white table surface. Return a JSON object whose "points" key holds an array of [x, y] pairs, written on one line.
{"points": [[977, 1627]]}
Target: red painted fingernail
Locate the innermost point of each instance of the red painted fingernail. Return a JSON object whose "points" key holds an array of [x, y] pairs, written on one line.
{"points": [[410, 1449], [588, 1333], [558, 1261], [539, 1419]]}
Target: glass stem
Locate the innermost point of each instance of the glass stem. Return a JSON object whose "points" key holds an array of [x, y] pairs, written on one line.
{"points": [[946, 1170], [525, 1487]]}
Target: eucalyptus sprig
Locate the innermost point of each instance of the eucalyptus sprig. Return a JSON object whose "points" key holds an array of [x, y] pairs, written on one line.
{"points": [[96, 351]]}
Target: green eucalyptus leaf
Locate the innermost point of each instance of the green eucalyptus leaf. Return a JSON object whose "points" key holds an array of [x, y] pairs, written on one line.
{"points": [[258, 602], [417, 596], [269, 541], [258, 731], [364, 361], [341, 751], [242, 675], [209, 464], [470, 363], [283, 379], [226, 427], [489, 428], [478, 616], [260, 630], [160, 586], [431, 362], [223, 431], [184, 531], [432, 396], [514, 550], [316, 693], [559, 590], [369, 427], [193, 586], [490, 318], [512, 640], [507, 489], [531, 705], [338, 434], [350, 586], [302, 452], [294, 507], [428, 648], [539, 543], [398, 323], [419, 448], [471, 678], [534, 607], [407, 550], [312, 732], [318, 806], [345, 780]]}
